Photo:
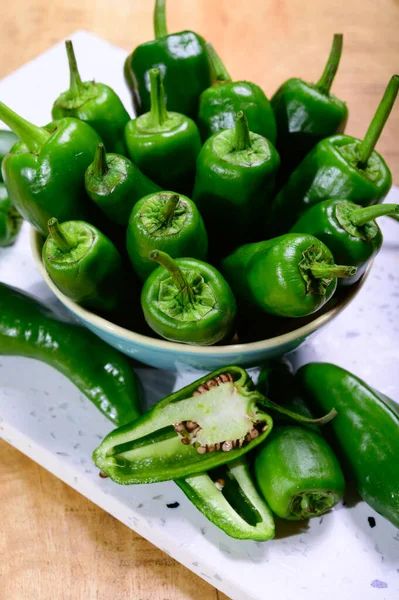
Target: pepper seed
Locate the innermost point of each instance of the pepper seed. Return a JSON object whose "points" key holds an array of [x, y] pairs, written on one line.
{"points": [[191, 425], [201, 449], [227, 446]]}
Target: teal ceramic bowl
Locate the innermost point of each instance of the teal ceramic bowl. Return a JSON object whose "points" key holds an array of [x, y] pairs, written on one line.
{"points": [[173, 356]]}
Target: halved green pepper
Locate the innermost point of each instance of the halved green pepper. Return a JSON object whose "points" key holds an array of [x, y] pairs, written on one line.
{"points": [[7, 140], [10, 219]]}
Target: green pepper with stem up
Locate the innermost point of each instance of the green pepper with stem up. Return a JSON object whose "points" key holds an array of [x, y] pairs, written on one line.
{"points": [[84, 264], [186, 300], [164, 145], [10, 219], [307, 113], [44, 172], [168, 222], [236, 171], [182, 60], [293, 275], [96, 104], [219, 104], [340, 166], [349, 230], [115, 184], [7, 140]]}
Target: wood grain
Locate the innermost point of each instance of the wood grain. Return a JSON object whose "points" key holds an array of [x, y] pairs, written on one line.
{"points": [[55, 544]]}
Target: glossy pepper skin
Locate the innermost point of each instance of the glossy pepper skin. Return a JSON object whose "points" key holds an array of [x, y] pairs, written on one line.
{"points": [[307, 113], [103, 375], [115, 184], [298, 474], [235, 177], [228, 497], [220, 103], [293, 275], [164, 145], [84, 264], [44, 172], [7, 141], [349, 230], [182, 60], [94, 103], [165, 221], [365, 433], [10, 219], [188, 301], [339, 166]]}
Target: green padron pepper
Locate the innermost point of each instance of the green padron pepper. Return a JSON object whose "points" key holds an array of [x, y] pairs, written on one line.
{"points": [[219, 104], [235, 178], [182, 60], [96, 104], [365, 433], [115, 184], [349, 230], [7, 140], [168, 222], [293, 275], [187, 300], [84, 264], [10, 219], [164, 145], [28, 328], [44, 172], [339, 166]]}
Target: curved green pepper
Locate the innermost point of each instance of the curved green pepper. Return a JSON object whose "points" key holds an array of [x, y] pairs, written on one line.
{"points": [[219, 104], [10, 219], [84, 264], [115, 184], [7, 141], [340, 166], [365, 433], [96, 104], [298, 474], [186, 300], [293, 275], [168, 222], [348, 230], [182, 60], [307, 113], [236, 171], [44, 172], [164, 145], [28, 328]]}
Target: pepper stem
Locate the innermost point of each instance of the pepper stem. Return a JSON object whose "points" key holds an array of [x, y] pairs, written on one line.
{"points": [[32, 136], [331, 68], [169, 208], [325, 271], [219, 71], [377, 124], [174, 270], [242, 140], [59, 237], [158, 111], [160, 28], [362, 216], [100, 166], [76, 85]]}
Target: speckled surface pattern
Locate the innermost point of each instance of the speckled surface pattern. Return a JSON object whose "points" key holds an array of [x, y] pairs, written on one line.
{"points": [[351, 553]]}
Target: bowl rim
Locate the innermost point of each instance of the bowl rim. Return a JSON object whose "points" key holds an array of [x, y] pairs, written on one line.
{"points": [[36, 240]]}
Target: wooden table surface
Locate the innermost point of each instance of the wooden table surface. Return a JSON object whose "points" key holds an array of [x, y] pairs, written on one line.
{"points": [[55, 544]]}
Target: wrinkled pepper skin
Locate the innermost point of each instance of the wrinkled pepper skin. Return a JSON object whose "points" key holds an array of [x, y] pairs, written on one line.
{"points": [[348, 230], [183, 62], [45, 175], [94, 103], [10, 219], [227, 496], [115, 184], [165, 221], [289, 276], [298, 474], [84, 264], [103, 375], [7, 140], [365, 434]]}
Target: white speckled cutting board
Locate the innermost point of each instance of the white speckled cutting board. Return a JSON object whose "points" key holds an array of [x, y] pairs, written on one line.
{"points": [[42, 414]]}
